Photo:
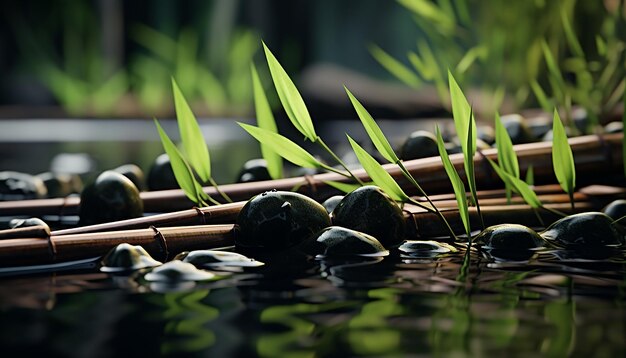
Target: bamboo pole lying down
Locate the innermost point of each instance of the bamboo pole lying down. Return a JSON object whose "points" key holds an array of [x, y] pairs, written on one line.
{"points": [[163, 243], [592, 154]]}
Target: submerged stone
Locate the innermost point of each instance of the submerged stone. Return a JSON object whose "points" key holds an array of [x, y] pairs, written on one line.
{"points": [[426, 248], [368, 209], [111, 197], [585, 230], [616, 210], [254, 170], [125, 257], [177, 271], [211, 258], [279, 219], [21, 186], [420, 144], [331, 203], [341, 241]]}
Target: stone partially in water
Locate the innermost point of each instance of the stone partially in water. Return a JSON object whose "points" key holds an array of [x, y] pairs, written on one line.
{"points": [[585, 230], [368, 209], [20, 186], [111, 197], [278, 220], [340, 241], [509, 237], [331, 203], [616, 209], [177, 271], [420, 144], [254, 170], [425, 248], [212, 258], [125, 257]]}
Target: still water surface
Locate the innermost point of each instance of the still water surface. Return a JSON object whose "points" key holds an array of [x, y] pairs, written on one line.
{"points": [[553, 305]]}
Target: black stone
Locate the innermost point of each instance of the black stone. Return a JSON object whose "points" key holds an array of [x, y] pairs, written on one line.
{"points": [[111, 197]]}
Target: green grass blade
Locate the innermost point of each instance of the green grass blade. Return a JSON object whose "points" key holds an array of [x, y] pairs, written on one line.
{"points": [[378, 174], [457, 183], [530, 176], [283, 146], [343, 187], [506, 154], [461, 112], [290, 97], [265, 120], [553, 68], [520, 186], [541, 96], [395, 67], [373, 130], [562, 158], [570, 36], [469, 166], [182, 171], [194, 146]]}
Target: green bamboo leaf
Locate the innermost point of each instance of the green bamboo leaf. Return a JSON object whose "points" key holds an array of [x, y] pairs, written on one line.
{"points": [[182, 171], [506, 154], [283, 146], [378, 174], [343, 187], [570, 36], [541, 96], [530, 176], [462, 112], [520, 186], [457, 183], [265, 120], [395, 67], [562, 158], [194, 146], [290, 97], [373, 130], [553, 68]]}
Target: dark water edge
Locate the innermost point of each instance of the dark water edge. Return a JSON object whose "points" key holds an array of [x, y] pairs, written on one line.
{"points": [[550, 306]]}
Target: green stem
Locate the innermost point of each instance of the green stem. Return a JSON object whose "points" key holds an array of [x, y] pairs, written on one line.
{"points": [[408, 175], [336, 171], [571, 199], [217, 188], [327, 149]]}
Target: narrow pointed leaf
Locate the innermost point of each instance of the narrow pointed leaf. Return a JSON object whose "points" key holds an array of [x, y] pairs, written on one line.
{"points": [[343, 187], [378, 174], [283, 146], [469, 158], [457, 183], [520, 186], [570, 36], [265, 120], [395, 67], [182, 171], [506, 154], [562, 158], [290, 97], [194, 146], [373, 130], [461, 112], [530, 176]]}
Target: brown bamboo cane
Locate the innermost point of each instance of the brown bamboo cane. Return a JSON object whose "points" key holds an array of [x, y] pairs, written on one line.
{"points": [[165, 242], [592, 154]]}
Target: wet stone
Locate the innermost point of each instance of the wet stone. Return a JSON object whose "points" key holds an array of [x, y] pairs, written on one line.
{"points": [[616, 209], [213, 258], [517, 129], [420, 144], [509, 237], [161, 176], [111, 197], [585, 231], [20, 223], [368, 209], [134, 173], [339, 241], [425, 248], [254, 170], [177, 271], [278, 220], [61, 185], [331, 203], [21, 186], [614, 127], [125, 257]]}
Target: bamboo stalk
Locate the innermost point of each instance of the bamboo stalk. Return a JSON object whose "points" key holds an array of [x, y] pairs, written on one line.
{"points": [[592, 154]]}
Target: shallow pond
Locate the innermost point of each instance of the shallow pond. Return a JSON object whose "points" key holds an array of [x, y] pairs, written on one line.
{"points": [[557, 304]]}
